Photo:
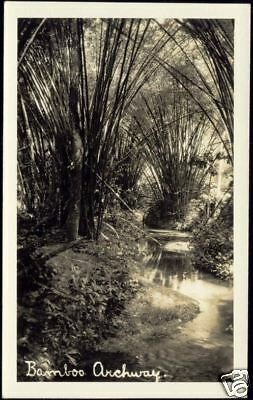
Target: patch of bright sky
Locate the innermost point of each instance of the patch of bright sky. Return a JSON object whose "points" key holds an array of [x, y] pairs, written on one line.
{"points": [[161, 20]]}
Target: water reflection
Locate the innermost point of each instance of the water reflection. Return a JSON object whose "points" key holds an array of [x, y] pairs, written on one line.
{"points": [[168, 268]]}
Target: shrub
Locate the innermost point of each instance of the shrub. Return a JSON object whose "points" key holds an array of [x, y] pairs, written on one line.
{"points": [[212, 243], [63, 315]]}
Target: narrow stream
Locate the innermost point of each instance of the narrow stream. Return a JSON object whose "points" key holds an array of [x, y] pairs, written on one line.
{"points": [[171, 267], [198, 350]]}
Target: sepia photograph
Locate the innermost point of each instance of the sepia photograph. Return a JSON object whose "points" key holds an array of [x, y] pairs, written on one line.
{"points": [[125, 201]]}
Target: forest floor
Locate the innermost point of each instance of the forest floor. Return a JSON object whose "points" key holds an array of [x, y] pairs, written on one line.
{"points": [[85, 292]]}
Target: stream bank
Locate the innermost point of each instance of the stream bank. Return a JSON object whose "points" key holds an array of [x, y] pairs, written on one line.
{"points": [[181, 322], [130, 302]]}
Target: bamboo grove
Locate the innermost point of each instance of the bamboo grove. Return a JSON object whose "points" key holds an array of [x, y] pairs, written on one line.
{"points": [[106, 103]]}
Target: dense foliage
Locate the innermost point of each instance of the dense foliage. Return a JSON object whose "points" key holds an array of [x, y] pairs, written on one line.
{"points": [[213, 242], [113, 100], [180, 152], [64, 309]]}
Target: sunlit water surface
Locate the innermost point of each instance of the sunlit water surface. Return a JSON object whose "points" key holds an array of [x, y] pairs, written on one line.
{"points": [[171, 267]]}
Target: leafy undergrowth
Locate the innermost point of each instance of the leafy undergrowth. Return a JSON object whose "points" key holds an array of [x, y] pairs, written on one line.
{"points": [[213, 250], [72, 301], [212, 243]]}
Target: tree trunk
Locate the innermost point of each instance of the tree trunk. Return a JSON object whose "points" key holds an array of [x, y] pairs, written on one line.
{"points": [[87, 223], [72, 222]]}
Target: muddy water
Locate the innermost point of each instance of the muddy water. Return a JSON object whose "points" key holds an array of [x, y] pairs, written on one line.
{"points": [[198, 350]]}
